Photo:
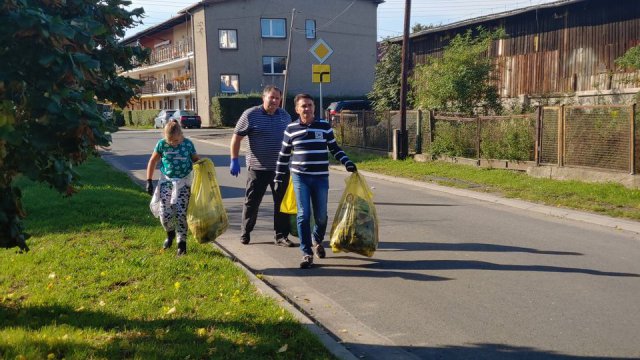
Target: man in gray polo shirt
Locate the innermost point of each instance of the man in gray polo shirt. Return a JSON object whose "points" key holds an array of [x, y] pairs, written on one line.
{"points": [[264, 126]]}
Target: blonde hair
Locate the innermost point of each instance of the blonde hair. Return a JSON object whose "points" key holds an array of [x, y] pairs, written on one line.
{"points": [[172, 130]]}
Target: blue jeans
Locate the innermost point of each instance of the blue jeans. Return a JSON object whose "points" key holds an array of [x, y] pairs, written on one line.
{"points": [[311, 191]]}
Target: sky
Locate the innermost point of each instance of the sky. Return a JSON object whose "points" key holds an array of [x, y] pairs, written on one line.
{"points": [[390, 13]]}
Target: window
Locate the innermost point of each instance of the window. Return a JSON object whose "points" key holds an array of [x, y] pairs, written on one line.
{"points": [[228, 39], [273, 28], [310, 29], [229, 84], [274, 64]]}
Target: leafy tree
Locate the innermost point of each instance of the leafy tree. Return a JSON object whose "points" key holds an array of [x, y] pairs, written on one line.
{"points": [[417, 27], [631, 59], [58, 58], [385, 94], [459, 81]]}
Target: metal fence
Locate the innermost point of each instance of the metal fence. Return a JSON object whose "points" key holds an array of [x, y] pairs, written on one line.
{"points": [[598, 136], [602, 137]]}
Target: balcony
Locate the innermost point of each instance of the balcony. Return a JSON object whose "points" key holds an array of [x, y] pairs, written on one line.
{"points": [[166, 87], [166, 57], [171, 52]]}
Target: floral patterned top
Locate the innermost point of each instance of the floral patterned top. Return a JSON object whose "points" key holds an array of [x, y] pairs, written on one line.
{"points": [[176, 161]]}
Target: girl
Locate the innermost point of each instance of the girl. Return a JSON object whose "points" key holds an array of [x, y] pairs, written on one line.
{"points": [[177, 156]]}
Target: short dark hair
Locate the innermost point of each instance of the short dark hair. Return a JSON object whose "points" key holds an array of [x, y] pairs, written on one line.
{"points": [[301, 96], [270, 88]]}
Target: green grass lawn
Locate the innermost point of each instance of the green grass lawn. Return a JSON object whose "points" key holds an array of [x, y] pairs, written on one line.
{"points": [[96, 285], [608, 199]]}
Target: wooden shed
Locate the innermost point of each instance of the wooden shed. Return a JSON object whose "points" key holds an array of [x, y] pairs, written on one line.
{"points": [[562, 48]]}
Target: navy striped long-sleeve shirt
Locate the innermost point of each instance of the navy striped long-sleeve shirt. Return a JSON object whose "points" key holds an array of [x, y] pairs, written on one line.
{"points": [[305, 149]]}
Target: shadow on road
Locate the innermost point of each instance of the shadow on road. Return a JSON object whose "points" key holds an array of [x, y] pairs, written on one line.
{"points": [[473, 351], [378, 264], [479, 247], [408, 204]]}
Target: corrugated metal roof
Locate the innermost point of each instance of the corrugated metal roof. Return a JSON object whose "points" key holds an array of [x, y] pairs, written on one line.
{"points": [[490, 17]]}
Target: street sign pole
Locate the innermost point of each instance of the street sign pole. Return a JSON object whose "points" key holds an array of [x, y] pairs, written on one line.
{"points": [[321, 111]]}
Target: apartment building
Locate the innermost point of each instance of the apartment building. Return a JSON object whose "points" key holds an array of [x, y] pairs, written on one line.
{"points": [[217, 47]]}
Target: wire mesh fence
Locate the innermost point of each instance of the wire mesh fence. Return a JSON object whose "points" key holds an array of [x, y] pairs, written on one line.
{"points": [[597, 136], [363, 129], [636, 149], [549, 135], [454, 136], [603, 137], [508, 137]]}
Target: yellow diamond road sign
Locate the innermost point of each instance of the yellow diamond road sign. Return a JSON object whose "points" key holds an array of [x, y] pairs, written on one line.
{"points": [[321, 50]]}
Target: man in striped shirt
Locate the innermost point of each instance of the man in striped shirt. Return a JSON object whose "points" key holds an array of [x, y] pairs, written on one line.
{"points": [[264, 125], [304, 153]]}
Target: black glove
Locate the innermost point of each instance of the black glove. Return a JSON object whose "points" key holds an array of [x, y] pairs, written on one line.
{"points": [[150, 186], [351, 167]]}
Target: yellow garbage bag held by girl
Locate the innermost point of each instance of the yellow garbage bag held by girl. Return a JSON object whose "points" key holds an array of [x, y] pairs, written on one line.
{"points": [[206, 216]]}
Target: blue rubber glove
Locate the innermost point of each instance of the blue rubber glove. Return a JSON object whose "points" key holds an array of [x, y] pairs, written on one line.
{"points": [[234, 167]]}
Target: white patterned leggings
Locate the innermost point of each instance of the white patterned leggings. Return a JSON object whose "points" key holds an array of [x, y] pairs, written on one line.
{"points": [[174, 217]]}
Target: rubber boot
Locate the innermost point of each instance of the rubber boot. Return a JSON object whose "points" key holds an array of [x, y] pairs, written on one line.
{"points": [[169, 240], [182, 248]]}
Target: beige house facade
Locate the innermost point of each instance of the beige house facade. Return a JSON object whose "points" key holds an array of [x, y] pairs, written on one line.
{"points": [[219, 47]]}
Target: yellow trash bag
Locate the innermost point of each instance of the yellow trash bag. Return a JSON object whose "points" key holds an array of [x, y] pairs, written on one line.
{"points": [[288, 204], [206, 216], [355, 226]]}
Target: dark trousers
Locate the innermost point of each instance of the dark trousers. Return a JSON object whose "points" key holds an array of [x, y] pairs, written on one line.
{"points": [[257, 182]]}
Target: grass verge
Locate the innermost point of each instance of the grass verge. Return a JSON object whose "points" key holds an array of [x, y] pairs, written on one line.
{"points": [[603, 198], [96, 285]]}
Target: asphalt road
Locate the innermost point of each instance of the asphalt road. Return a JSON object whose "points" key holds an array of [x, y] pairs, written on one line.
{"points": [[453, 278]]}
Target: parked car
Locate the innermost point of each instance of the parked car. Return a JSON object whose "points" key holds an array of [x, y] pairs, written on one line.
{"points": [[335, 108], [187, 119], [105, 110], [161, 119]]}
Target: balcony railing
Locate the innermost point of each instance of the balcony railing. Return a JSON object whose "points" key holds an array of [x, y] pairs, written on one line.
{"points": [[168, 53], [165, 87]]}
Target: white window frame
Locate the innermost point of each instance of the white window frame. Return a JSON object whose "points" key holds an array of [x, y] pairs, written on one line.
{"points": [[228, 44], [310, 29], [267, 28], [272, 62], [232, 78]]}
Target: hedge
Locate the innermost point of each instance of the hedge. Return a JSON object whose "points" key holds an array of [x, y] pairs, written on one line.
{"points": [[139, 117], [226, 110]]}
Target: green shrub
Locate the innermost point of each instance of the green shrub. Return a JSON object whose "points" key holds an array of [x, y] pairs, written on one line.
{"points": [[118, 117], [508, 140], [453, 139], [139, 117], [225, 110]]}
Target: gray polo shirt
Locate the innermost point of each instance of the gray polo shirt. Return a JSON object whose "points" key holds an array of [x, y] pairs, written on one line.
{"points": [[265, 134]]}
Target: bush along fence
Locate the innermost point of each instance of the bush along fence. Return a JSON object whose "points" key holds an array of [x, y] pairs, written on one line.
{"points": [[601, 137]]}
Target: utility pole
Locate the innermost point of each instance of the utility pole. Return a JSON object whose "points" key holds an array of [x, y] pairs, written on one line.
{"points": [[286, 71], [404, 138]]}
